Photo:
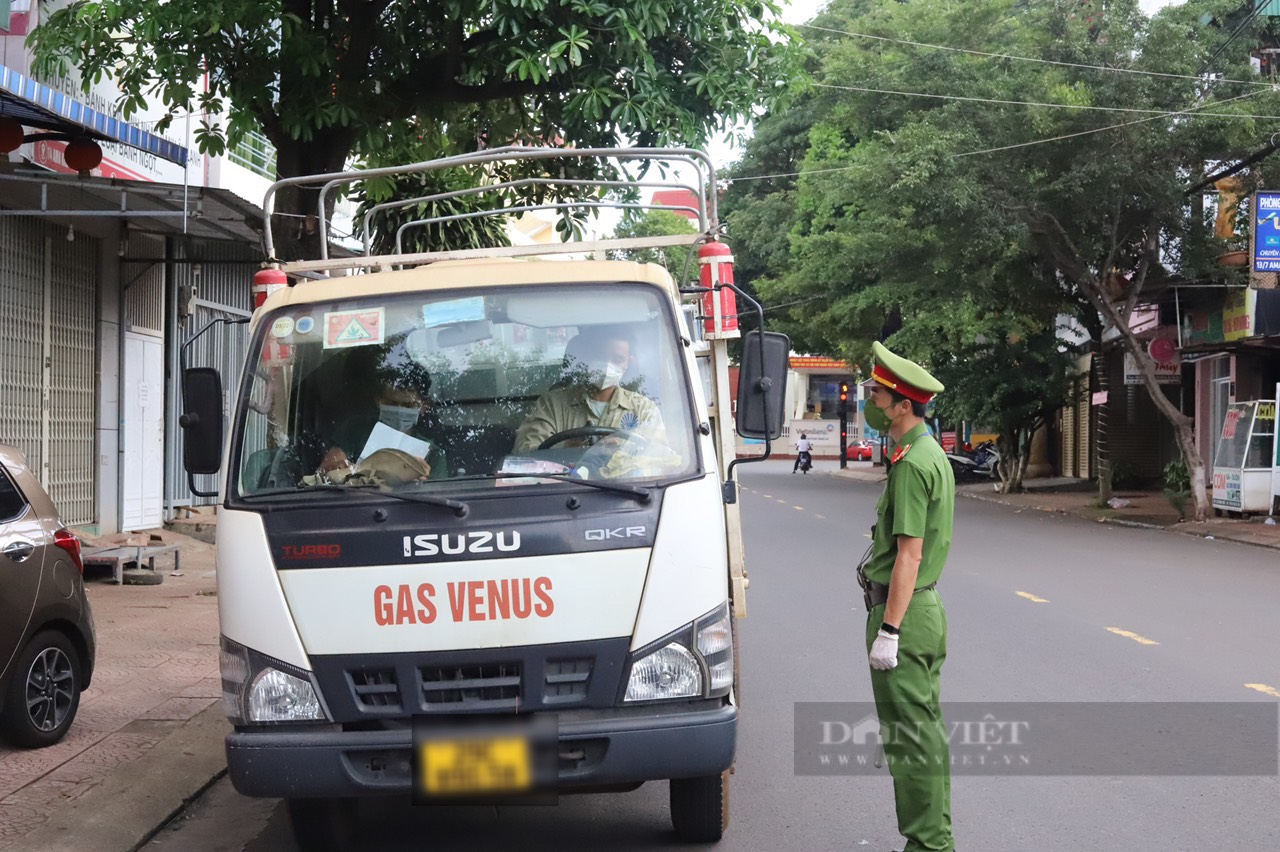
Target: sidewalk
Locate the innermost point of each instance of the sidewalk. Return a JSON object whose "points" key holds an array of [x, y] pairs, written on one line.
{"points": [[148, 735], [1079, 497]]}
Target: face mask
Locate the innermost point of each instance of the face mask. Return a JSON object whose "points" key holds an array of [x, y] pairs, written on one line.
{"points": [[877, 418], [399, 417], [612, 376]]}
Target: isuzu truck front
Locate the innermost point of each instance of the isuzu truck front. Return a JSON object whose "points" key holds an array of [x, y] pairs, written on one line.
{"points": [[477, 532]]}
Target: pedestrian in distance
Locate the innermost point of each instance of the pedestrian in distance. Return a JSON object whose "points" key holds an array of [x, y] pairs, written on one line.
{"points": [[906, 632], [804, 457]]}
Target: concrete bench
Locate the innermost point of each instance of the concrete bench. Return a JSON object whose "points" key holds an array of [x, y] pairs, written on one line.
{"points": [[116, 557]]}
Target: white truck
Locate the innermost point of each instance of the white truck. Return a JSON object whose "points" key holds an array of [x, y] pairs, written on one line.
{"points": [[477, 527]]}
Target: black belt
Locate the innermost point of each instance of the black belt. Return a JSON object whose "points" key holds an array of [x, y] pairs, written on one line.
{"points": [[874, 594]]}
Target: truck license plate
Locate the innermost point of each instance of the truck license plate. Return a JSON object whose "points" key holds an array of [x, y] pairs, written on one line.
{"points": [[476, 765]]}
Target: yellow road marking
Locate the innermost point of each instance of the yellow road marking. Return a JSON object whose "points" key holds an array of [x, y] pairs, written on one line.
{"points": [[1141, 640], [798, 508], [1264, 689], [767, 496], [1032, 597]]}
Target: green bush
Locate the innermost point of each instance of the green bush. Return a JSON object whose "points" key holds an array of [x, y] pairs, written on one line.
{"points": [[1177, 485], [1176, 475]]}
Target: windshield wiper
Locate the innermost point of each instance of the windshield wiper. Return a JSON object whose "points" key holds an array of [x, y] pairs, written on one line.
{"points": [[459, 508], [643, 495]]}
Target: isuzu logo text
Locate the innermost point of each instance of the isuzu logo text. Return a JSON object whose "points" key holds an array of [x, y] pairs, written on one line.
{"points": [[480, 541], [616, 532]]}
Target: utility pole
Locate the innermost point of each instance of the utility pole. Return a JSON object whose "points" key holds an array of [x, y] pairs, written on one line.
{"points": [[844, 423]]}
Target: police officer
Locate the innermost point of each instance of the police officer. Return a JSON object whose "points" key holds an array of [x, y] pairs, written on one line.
{"points": [[906, 623]]}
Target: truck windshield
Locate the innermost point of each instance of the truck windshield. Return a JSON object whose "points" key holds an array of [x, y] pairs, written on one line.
{"points": [[463, 389]]}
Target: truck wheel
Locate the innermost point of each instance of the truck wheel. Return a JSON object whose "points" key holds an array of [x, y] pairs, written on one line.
{"points": [[323, 825], [700, 807]]}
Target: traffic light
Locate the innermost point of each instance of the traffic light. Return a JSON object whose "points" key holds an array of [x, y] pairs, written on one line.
{"points": [[844, 396]]}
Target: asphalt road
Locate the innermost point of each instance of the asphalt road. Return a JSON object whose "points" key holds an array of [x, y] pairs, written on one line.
{"points": [[1045, 612]]}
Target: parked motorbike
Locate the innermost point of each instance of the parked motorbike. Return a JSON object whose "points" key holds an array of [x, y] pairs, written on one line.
{"points": [[982, 463]]}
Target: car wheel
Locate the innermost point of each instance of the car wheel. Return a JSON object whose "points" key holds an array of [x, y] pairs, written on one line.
{"points": [[700, 807], [44, 694]]}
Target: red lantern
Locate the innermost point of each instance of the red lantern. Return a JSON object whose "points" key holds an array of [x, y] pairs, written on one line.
{"points": [[83, 155], [11, 134]]}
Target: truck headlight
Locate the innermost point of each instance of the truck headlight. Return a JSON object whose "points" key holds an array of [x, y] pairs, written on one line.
{"points": [[669, 672], [257, 688], [278, 696], [695, 661]]}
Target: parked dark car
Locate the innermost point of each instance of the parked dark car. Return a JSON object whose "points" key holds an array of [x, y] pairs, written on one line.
{"points": [[46, 629], [859, 450]]}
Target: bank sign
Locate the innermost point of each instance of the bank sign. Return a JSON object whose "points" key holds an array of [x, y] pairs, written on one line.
{"points": [[1266, 232]]}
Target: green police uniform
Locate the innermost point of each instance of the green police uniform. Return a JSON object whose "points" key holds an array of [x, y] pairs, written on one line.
{"points": [[918, 502]]}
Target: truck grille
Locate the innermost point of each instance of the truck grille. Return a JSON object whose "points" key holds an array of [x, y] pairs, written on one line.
{"points": [[566, 681], [473, 681], [376, 688], [488, 686]]}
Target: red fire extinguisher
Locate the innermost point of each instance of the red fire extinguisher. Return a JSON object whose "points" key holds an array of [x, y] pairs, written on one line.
{"points": [[266, 282], [719, 308]]}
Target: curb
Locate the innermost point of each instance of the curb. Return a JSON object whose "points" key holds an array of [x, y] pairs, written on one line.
{"points": [[130, 806], [1121, 522]]}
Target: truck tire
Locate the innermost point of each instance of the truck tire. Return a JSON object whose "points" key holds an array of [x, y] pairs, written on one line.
{"points": [[323, 825], [700, 807]]}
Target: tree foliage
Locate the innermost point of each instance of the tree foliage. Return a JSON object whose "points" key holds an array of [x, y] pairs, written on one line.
{"points": [[965, 186], [658, 223], [399, 80]]}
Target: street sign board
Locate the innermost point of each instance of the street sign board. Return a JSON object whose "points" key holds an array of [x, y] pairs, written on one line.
{"points": [[1266, 232]]}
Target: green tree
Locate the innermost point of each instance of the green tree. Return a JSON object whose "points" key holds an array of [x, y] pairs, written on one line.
{"points": [[658, 223], [1003, 370], [1055, 185], [325, 81]]}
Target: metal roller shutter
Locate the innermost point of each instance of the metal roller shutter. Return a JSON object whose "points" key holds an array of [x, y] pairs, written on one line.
{"points": [[48, 293]]}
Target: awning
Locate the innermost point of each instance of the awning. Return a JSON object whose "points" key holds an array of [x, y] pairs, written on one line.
{"points": [[157, 208], [37, 105]]}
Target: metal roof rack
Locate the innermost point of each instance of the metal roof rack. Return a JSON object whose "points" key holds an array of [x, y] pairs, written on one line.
{"points": [[703, 188]]}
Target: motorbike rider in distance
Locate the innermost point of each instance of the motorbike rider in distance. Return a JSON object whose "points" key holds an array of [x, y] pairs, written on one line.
{"points": [[804, 457]]}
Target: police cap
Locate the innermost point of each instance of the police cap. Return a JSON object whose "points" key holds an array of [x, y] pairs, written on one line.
{"points": [[906, 377]]}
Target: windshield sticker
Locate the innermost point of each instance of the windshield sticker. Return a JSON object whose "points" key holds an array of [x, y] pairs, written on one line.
{"points": [[344, 329], [305, 325], [454, 310], [283, 327]]}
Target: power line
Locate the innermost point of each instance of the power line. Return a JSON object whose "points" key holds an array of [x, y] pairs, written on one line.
{"points": [[1192, 111], [1030, 103], [1188, 111], [1040, 61], [1248, 19]]}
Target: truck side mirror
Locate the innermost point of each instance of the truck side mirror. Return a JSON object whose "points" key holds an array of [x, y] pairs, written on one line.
{"points": [[201, 420], [762, 384]]}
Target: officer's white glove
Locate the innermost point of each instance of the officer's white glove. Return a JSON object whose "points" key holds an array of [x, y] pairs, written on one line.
{"points": [[884, 651]]}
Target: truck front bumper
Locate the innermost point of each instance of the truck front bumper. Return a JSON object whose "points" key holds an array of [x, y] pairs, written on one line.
{"points": [[597, 748]]}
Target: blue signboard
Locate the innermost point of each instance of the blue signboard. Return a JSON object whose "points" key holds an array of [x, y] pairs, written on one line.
{"points": [[1266, 232]]}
